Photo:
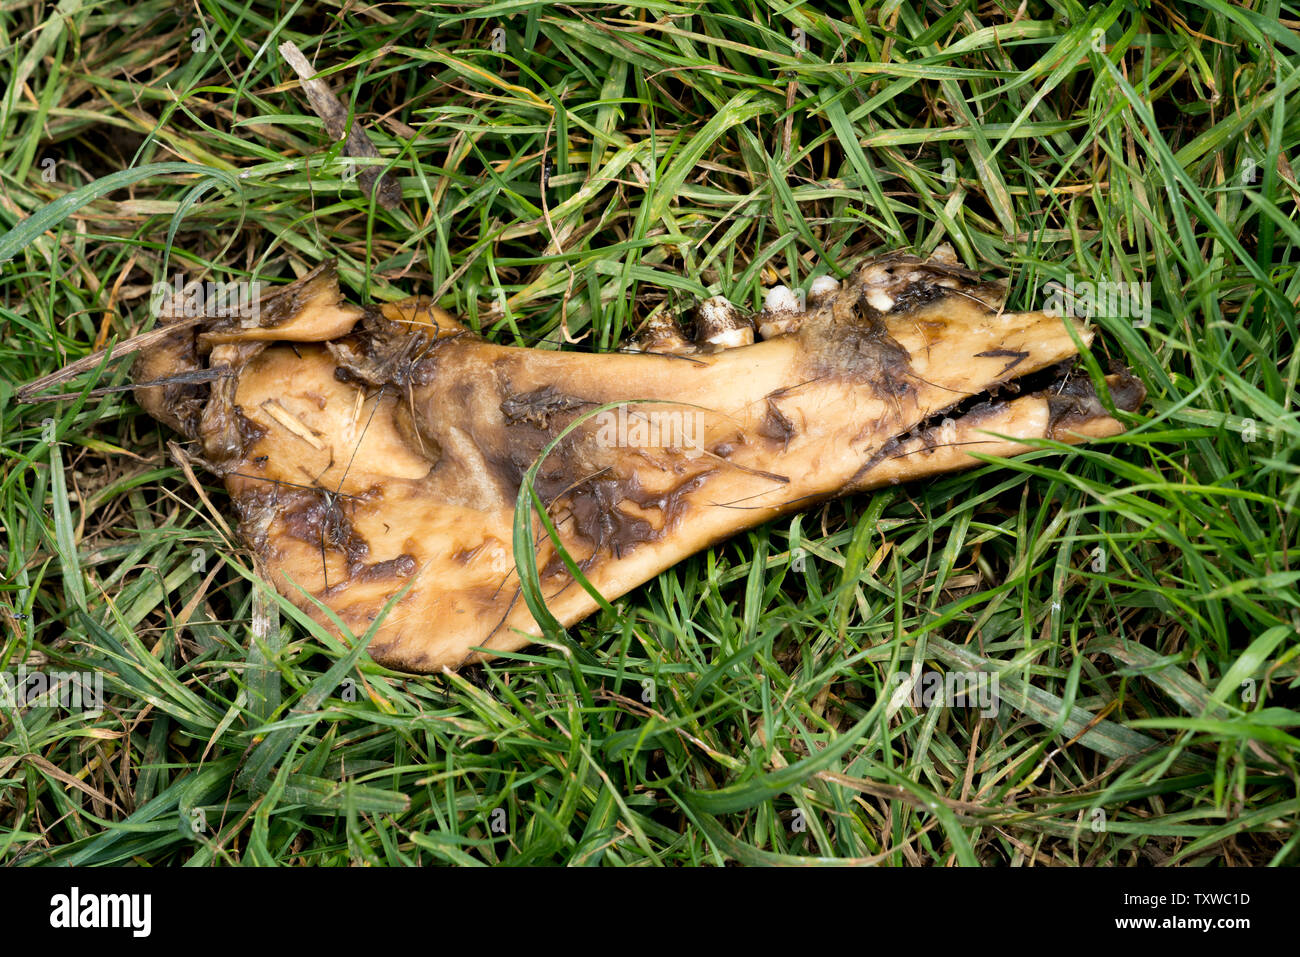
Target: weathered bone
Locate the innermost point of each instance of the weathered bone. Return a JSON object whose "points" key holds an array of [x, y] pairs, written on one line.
{"points": [[371, 450]]}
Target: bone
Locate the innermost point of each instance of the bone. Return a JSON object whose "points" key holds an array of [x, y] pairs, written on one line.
{"points": [[949, 448], [383, 463]]}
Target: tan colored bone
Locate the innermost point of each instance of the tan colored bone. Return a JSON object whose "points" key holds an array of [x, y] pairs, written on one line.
{"points": [[384, 447]]}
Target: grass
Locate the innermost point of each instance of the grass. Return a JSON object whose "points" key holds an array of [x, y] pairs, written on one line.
{"points": [[1136, 597]]}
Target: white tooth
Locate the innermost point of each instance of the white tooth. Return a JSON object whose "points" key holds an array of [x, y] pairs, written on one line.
{"points": [[730, 338], [945, 254], [715, 308], [874, 274], [776, 326], [880, 300], [722, 324], [823, 286], [781, 299]]}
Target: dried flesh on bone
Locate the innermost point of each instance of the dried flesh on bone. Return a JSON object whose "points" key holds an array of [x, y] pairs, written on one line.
{"points": [[374, 450]]}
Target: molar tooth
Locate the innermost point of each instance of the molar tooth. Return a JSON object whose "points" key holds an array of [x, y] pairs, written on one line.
{"points": [[770, 326], [874, 274], [880, 299], [662, 335], [720, 323], [822, 287], [781, 299], [717, 314], [944, 253], [731, 338]]}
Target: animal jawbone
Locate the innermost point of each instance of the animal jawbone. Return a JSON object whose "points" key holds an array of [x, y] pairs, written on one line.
{"points": [[380, 450]]}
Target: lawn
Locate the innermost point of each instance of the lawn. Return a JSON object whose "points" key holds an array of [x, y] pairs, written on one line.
{"points": [[584, 167]]}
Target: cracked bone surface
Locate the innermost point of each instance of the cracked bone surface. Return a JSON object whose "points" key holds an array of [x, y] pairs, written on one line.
{"points": [[380, 450]]}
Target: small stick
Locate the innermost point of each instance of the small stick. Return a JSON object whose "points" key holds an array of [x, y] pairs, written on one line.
{"points": [[27, 393], [335, 114], [181, 378]]}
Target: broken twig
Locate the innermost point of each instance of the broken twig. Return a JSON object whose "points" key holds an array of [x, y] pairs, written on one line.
{"points": [[335, 114]]}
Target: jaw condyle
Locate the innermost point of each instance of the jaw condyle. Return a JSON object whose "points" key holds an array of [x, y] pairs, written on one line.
{"points": [[380, 450]]}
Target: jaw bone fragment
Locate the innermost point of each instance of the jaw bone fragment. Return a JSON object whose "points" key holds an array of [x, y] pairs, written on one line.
{"points": [[371, 450]]}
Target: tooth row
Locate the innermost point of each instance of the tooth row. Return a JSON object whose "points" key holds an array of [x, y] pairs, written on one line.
{"points": [[782, 312], [882, 279], [719, 324]]}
